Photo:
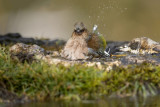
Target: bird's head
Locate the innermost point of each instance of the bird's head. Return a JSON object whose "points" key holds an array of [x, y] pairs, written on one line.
{"points": [[79, 28]]}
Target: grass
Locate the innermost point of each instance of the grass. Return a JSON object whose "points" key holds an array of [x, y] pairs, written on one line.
{"points": [[41, 81], [142, 80]]}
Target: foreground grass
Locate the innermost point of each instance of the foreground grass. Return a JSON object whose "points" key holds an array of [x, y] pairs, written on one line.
{"points": [[41, 81]]}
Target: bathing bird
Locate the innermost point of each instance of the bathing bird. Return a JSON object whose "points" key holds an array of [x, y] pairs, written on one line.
{"points": [[84, 44], [142, 45], [97, 43], [76, 47]]}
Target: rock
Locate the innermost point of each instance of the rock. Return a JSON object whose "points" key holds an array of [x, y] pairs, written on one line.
{"points": [[13, 35], [23, 48], [135, 59], [26, 52], [13, 38], [29, 53], [114, 46]]}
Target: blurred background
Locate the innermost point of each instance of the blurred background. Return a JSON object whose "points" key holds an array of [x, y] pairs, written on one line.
{"points": [[118, 20]]}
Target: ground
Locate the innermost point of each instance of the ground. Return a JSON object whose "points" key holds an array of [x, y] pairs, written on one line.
{"points": [[29, 72]]}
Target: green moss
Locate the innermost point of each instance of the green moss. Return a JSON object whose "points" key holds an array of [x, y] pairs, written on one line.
{"points": [[142, 80], [42, 81]]}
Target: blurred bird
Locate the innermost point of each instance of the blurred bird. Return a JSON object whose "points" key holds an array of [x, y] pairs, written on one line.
{"points": [[142, 45], [76, 47], [97, 43]]}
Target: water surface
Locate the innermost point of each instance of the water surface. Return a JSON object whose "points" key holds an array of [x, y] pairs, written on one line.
{"points": [[105, 102]]}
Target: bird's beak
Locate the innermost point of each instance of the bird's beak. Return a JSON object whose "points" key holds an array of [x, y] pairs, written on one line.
{"points": [[78, 30]]}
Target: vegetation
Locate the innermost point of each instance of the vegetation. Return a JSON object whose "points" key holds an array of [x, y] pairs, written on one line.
{"points": [[41, 81], [142, 80]]}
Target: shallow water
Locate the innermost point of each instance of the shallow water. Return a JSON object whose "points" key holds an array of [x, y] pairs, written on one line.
{"points": [[106, 102], [117, 19]]}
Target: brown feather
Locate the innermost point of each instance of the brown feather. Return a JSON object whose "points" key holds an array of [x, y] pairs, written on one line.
{"points": [[76, 47], [94, 42]]}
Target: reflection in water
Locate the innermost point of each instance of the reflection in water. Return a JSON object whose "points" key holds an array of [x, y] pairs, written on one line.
{"points": [[117, 19], [106, 102]]}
